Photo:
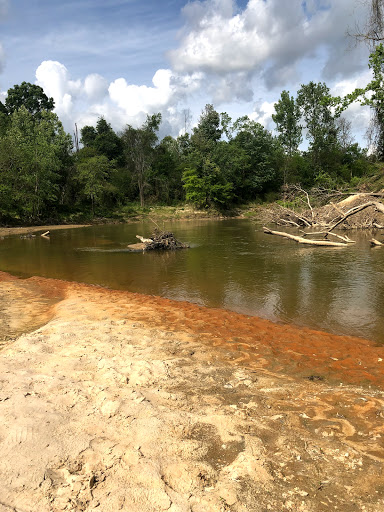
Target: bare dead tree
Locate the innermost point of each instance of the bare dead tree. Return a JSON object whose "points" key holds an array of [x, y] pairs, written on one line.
{"points": [[344, 132], [76, 138], [372, 32], [187, 119]]}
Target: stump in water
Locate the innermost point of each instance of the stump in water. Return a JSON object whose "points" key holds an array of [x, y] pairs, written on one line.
{"points": [[164, 240], [160, 240]]}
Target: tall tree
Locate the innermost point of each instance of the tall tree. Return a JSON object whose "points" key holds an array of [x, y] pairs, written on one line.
{"points": [[262, 161], [287, 118], [373, 34], [373, 96], [139, 150], [93, 174], [32, 167], [103, 139], [208, 132], [320, 122], [88, 135], [4, 120], [373, 31], [30, 96], [207, 186]]}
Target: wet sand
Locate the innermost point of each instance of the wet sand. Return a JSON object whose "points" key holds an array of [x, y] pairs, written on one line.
{"points": [[111, 401], [36, 230]]}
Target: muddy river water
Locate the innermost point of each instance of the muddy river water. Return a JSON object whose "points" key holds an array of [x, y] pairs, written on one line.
{"points": [[231, 264]]}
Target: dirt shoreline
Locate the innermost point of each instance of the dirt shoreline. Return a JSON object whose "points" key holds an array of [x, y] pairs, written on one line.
{"points": [[112, 401], [36, 229]]}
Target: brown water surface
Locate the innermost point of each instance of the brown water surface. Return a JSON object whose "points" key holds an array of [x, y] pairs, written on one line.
{"points": [[231, 264]]}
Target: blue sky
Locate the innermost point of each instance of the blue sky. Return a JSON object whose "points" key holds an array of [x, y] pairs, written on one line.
{"points": [[125, 58]]}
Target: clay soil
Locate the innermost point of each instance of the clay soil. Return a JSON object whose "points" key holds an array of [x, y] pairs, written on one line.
{"points": [[117, 401]]}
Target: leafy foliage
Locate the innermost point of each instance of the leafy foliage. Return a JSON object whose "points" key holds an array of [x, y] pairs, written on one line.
{"points": [[93, 174], [32, 166], [207, 187], [287, 119], [29, 96], [139, 152], [221, 163]]}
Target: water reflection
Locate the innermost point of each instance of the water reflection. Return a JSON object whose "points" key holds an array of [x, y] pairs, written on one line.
{"points": [[231, 264]]}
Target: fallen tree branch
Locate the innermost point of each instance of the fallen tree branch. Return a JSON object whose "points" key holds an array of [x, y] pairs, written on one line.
{"points": [[285, 221], [302, 191], [327, 233], [304, 220], [339, 210], [375, 242], [144, 240], [356, 209], [302, 240]]}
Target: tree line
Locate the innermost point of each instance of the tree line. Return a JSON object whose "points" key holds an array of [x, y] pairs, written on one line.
{"points": [[221, 163]]}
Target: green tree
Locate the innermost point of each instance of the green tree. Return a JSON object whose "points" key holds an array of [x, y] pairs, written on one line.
{"points": [[166, 172], [4, 119], [87, 136], [139, 151], [34, 163], [103, 139], [208, 132], [312, 99], [207, 186], [261, 172], [30, 96], [93, 174], [287, 119], [373, 96]]}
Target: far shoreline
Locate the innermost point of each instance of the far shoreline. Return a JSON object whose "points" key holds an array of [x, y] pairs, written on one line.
{"points": [[154, 214], [26, 230]]}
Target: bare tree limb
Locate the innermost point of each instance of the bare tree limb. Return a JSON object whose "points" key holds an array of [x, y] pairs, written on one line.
{"points": [[339, 210], [303, 219], [302, 240], [345, 238], [356, 209]]}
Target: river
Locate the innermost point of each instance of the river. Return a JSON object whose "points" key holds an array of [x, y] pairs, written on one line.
{"points": [[231, 264]]}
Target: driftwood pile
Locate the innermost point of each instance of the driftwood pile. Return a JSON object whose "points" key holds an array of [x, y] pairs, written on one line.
{"points": [[164, 240], [160, 240], [359, 211]]}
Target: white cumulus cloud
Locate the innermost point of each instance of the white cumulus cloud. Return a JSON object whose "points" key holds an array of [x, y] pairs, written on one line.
{"points": [[54, 78], [263, 114], [95, 86], [134, 99], [269, 37], [84, 100]]}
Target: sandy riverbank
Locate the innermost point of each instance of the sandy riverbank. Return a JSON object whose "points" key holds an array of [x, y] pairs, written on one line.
{"points": [[117, 401], [37, 229]]}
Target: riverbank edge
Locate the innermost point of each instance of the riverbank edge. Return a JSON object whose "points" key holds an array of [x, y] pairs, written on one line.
{"points": [[156, 214]]}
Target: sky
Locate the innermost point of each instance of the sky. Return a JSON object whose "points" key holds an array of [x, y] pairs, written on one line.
{"points": [[124, 59]]}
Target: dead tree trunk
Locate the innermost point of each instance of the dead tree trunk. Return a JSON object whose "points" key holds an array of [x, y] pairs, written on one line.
{"points": [[302, 240]]}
